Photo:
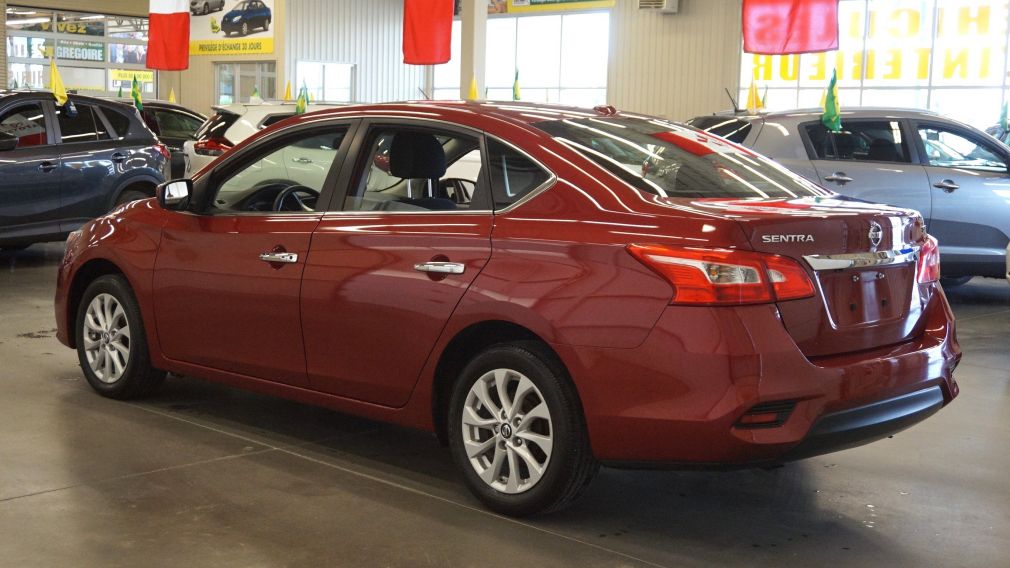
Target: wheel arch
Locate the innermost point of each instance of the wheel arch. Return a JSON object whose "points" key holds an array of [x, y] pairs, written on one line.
{"points": [[85, 275], [143, 183]]}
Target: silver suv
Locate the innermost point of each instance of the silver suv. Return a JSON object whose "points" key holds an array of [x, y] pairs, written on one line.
{"points": [[955, 175]]}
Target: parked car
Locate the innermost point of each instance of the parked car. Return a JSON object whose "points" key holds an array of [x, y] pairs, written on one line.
{"points": [[245, 17], [712, 309], [232, 124], [204, 7], [174, 125], [954, 174], [61, 170]]}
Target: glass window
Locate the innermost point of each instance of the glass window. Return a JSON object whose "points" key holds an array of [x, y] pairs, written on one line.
{"points": [[513, 175], [237, 81], [947, 148], [274, 119], [176, 124], [79, 127], [27, 122], [119, 121], [408, 170], [287, 179], [870, 140], [674, 161], [732, 129], [326, 81], [29, 19]]}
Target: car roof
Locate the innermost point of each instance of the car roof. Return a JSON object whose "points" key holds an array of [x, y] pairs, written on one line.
{"points": [[815, 112], [268, 107]]}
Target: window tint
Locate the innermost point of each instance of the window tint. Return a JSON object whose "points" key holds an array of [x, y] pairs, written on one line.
{"points": [[119, 121], [407, 170], [513, 175], [176, 124], [730, 128], [27, 122], [259, 185], [947, 148], [873, 141], [274, 119], [77, 128], [671, 160]]}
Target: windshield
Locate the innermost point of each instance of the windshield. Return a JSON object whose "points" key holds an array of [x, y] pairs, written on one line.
{"points": [[676, 161]]}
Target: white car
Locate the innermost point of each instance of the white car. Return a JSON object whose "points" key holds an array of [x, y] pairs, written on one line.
{"points": [[232, 124]]}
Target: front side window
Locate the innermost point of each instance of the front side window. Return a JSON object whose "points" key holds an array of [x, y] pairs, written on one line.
{"points": [[413, 170], [947, 148], [671, 160], [27, 123], [289, 178], [869, 140]]}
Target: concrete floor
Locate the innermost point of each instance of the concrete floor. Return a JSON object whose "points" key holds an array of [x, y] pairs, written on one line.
{"points": [[207, 476]]}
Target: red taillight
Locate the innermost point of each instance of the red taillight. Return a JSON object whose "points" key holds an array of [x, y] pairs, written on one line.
{"points": [[928, 269], [163, 150], [212, 146], [709, 276]]}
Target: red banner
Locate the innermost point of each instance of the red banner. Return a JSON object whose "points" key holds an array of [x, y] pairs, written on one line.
{"points": [[781, 27], [427, 31], [168, 35]]}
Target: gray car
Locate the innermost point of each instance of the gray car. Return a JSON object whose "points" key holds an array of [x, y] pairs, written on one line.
{"points": [[202, 7], [955, 175]]}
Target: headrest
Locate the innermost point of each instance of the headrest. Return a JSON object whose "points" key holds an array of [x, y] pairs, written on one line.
{"points": [[414, 155]]}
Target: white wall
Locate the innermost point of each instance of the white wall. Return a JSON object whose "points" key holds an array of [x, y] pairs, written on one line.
{"points": [[674, 66], [366, 33]]}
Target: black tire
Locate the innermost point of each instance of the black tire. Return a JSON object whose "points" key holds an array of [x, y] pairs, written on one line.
{"points": [[139, 378], [244, 30], [266, 25], [13, 248], [571, 466], [206, 8], [130, 195], [954, 281]]}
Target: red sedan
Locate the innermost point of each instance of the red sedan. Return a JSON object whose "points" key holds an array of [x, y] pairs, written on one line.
{"points": [[546, 288]]}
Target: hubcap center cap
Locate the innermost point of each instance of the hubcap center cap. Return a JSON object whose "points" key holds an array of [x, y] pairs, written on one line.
{"points": [[106, 337], [506, 431]]}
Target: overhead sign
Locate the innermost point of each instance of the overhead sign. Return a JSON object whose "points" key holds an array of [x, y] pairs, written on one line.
{"points": [[526, 6], [129, 74], [240, 28], [80, 50]]}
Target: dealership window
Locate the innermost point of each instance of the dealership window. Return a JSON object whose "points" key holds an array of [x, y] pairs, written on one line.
{"points": [[949, 56], [236, 81], [96, 53], [332, 82], [560, 58]]}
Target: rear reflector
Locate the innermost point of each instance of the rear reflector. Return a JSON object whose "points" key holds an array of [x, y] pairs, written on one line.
{"points": [[712, 277], [928, 269], [767, 415]]}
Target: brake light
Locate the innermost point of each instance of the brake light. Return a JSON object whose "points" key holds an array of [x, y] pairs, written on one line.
{"points": [[711, 276], [928, 269], [163, 150], [212, 146]]}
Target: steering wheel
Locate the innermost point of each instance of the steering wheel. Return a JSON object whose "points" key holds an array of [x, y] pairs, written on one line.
{"points": [[299, 194]]}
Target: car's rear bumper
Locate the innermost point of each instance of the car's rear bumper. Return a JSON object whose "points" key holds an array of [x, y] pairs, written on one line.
{"points": [[682, 397]]}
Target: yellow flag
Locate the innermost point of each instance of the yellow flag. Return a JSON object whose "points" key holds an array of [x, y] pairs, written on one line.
{"points": [[472, 95], [56, 84], [824, 99], [287, 91], [753, 99], [171, 95]]}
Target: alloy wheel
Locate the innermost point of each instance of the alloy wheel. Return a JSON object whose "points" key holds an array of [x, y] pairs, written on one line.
{"points": [[106, 338], [507, 431]]}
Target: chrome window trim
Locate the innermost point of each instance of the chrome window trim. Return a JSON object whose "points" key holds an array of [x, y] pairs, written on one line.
{"points": [[820, 262]]}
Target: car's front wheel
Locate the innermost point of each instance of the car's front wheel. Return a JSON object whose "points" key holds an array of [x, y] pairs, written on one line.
{"points": [[111, 343], [517, 432], [245, 29]]}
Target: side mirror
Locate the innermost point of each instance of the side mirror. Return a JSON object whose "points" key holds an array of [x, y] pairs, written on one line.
{"points": [[8, 142], [175, 195]]}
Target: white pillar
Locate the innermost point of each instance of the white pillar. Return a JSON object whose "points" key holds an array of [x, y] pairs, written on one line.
{"points": [[473, 40]]}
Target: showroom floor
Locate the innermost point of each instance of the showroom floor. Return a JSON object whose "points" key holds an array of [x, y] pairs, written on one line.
{"points": [[203, 475]]}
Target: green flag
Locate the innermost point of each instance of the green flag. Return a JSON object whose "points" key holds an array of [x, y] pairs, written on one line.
{"points": [[1003, 119], [832, 117], [515, 87], [120, 95], [303, 100], [135, 93]]}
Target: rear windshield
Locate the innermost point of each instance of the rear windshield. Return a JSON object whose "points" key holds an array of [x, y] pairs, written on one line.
{"points": [[732, 129], [216, 126], [672, 160]]}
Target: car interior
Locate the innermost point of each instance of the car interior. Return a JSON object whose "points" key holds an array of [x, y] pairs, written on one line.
{"points": [[872, 141]]}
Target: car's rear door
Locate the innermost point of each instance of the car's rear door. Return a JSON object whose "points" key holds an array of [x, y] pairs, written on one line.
{"points": [[228, 279], [30, 190], [871, 159], [391, 260]]}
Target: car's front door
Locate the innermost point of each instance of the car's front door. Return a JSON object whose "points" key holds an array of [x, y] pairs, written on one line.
{"points": [[30, 187], [392, 259], [870, 159], [228, 276], [971, 198]]}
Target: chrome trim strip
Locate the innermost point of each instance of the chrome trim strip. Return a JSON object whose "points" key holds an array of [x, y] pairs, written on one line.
{"points": [[862, 259]]}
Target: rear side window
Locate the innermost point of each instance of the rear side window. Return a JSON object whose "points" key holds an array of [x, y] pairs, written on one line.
{"points": [[730, 128], [176, 124], [119, 121], [81, 127], [871, 141], [216, 126], [513, 176], [27, 122]]}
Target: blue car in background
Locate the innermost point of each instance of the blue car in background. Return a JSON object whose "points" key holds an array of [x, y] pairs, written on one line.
{"points": [[245, 17]]}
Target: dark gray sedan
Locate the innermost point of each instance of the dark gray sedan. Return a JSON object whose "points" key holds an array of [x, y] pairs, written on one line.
{"points": [[955, 175]]}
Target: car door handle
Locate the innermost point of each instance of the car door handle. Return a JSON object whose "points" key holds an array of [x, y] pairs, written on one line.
{"points": [[47, 167], [947, 185], [301, 160], [440, 267], [119, 157], [279, 257], [838, 177]]}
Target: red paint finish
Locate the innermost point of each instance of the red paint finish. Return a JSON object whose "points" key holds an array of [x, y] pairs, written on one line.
{"points": [[353, 326]]}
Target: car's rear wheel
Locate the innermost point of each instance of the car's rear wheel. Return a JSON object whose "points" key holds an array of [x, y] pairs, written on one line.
{"points": [[111, 343], [130, 195], [517, 432], [955, 281], [245, 28], [266, 25]]}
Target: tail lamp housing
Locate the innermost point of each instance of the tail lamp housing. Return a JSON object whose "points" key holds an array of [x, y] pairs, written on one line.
{"points": [[928, 268], [212, 146], [716, 277]]}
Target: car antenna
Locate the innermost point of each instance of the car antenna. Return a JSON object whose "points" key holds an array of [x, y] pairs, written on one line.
{"points": [[424, 94], [736, 109]]}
